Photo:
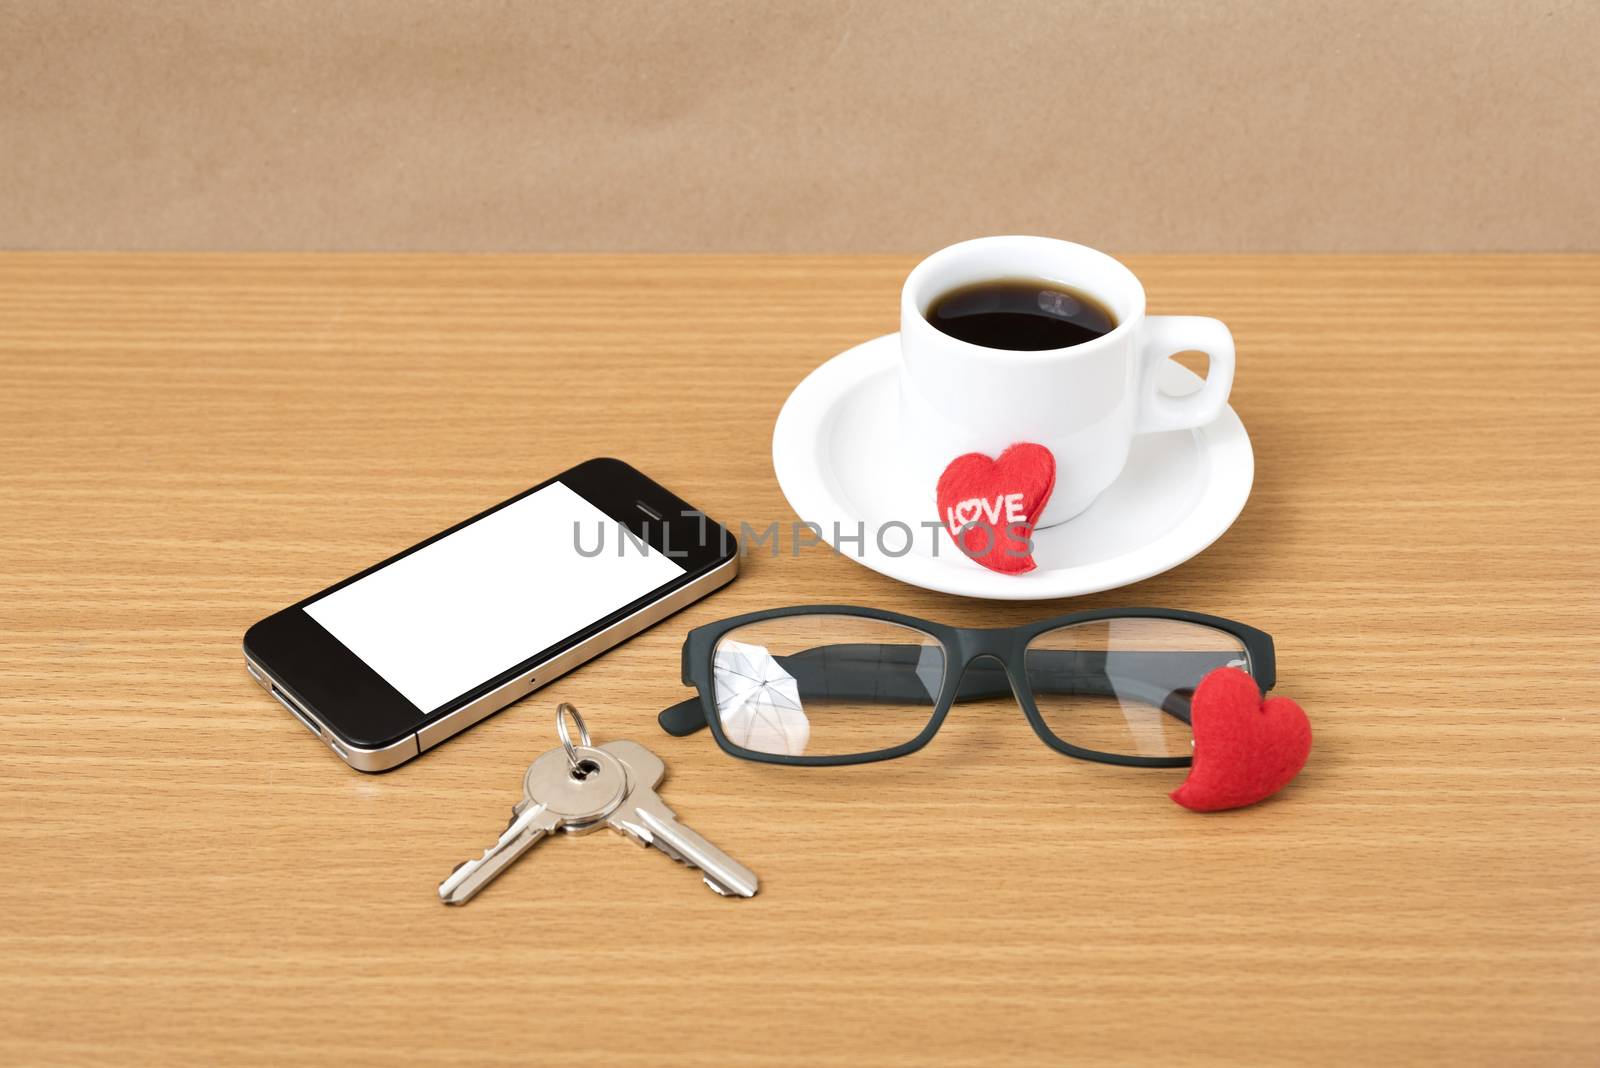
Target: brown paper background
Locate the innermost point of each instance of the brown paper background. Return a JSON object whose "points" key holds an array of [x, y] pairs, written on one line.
{"points": [[897, 125]]}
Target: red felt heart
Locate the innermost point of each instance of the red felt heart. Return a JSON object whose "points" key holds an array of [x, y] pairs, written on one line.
{"points": [[989, 506], [1245, 749]]}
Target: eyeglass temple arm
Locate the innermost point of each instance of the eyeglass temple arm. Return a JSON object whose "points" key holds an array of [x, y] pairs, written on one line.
{"points": [[888, 674]]}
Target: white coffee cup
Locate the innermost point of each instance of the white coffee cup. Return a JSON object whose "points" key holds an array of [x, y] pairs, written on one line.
{"points": [[1084, 403]]}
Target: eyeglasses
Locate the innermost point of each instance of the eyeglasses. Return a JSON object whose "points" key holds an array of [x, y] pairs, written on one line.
{"points": [[835, 684]]}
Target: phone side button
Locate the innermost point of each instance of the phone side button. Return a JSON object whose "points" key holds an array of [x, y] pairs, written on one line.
{"points": [[257, 674], [375, 760]]}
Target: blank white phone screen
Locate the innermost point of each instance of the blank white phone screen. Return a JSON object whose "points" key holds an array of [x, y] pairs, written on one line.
{"points": [[452, 615]]}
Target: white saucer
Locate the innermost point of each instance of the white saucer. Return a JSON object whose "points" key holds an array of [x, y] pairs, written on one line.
{"points": [[834, 449]]}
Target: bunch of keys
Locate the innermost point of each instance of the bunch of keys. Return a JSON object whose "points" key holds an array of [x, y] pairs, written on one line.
{"points": [[581, 788]]}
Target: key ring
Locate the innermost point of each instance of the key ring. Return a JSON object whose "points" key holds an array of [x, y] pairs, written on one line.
{"points": [[563, 710]]}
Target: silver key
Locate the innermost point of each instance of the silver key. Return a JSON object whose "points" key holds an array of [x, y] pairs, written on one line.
{"points": [[555, 797], [645, 818]]}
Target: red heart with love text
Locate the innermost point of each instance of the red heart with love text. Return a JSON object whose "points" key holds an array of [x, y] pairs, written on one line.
{"points": [[1245, 749], [990, 506]]}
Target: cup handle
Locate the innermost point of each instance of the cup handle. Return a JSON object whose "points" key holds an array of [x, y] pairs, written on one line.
{"points": [[1164, 337]]}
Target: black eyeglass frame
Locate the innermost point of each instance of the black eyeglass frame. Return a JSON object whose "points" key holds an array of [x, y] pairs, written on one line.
{"points": [[962, 647]]}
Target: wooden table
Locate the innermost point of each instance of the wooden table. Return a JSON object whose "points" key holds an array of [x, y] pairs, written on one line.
{"points": [[190, 442]]}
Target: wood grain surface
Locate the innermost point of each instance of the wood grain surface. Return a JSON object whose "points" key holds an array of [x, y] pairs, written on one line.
{"points": [[770, 125], [188, 443]]}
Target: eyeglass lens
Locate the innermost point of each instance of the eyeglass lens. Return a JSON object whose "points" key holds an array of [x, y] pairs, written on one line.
{"points": [[825, 685], [1122, 686]]}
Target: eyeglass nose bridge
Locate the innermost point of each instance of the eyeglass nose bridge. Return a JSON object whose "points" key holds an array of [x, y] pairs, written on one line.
{"points": [[975, 643], [983, 665], [985, 676]]}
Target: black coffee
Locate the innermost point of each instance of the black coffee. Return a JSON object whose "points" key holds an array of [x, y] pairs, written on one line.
{"points": [[1024, 314]]}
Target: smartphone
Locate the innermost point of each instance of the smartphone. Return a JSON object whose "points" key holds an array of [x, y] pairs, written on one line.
{"points": [[394, 660]]}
